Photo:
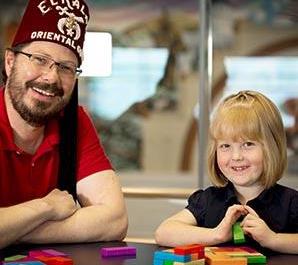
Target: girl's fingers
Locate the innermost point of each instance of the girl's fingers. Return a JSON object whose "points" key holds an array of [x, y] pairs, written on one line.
{"points": [[250, 210]]}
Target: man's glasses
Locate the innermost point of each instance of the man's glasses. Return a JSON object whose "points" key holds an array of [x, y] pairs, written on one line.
{"points": [[43, 63]]}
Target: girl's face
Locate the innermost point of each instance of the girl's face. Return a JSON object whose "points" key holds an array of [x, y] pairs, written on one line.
{"points": [[240, 161]]}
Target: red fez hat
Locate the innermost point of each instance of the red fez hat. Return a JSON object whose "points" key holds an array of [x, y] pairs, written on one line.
{"points": [[60, 21]]}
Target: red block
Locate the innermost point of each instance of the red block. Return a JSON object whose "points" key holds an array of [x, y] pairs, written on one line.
{"points": [[35, 253], [189, 249]]}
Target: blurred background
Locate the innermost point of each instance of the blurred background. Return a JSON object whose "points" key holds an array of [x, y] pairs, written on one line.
{"points": [[146, 111]]}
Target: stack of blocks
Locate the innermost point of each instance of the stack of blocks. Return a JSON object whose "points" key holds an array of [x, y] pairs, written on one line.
{"points": [[233, 256], [200, 255], [189, 255], [39, 257]]}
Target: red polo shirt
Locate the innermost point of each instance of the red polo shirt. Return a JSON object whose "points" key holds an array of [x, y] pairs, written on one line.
{"points": [[25, 177]]}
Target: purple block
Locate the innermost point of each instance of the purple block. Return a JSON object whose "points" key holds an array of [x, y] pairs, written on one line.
{"points": [[118, 251]]}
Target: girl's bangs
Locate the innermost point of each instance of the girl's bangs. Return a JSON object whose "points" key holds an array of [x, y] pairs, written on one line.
{"points": [[236, 123]]}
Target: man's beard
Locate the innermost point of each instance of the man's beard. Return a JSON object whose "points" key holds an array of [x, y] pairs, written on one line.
{"points": [[41, 111]]}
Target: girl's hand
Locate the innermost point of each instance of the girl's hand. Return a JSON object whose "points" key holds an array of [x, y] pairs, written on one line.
{"points": [[255, 227], [223, 231]]}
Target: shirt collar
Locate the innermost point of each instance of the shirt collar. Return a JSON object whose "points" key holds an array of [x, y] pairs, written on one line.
{"points": [[264, 197]]}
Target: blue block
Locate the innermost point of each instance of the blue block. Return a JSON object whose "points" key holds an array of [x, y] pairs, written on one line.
{"points": [[164, 255], [158, 261], [24, 263]]}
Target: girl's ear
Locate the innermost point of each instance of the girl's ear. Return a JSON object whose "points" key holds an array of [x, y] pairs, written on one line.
{"points": [[9, 61]]}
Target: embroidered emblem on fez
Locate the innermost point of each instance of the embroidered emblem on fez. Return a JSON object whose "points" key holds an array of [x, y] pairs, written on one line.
{"points": [[71, 25]]}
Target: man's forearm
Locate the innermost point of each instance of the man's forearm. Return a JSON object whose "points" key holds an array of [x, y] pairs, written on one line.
{"points": [[18, 220], [87, 224]]}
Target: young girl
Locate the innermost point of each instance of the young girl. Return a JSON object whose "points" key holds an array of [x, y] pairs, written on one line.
{"points": [[246, 157]]}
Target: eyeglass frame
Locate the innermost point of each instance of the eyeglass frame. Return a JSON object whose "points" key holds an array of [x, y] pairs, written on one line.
{"points": [[76, 73]]}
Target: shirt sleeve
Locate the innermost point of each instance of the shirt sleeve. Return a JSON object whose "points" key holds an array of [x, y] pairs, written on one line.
{"points": [[197, 203], [91, 156]]}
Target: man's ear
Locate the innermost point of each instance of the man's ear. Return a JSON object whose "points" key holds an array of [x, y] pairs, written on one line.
{"points": [[9, 61]]}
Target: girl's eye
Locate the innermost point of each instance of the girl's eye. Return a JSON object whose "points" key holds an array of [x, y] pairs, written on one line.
{"points": [[248, 144], [223, 146]]}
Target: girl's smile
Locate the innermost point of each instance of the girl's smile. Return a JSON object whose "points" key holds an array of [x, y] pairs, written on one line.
{"points": [[240, 161]]}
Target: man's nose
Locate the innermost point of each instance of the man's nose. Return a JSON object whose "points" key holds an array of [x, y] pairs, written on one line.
{"points": [[50, 73]]}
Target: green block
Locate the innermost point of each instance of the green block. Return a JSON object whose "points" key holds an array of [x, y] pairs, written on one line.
{"points": [[259, 259], [168, 262], [14, 258], [238, 234]]}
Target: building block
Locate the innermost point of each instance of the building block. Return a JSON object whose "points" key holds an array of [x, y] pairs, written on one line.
{"points": [[62, 261], [196, 256], [24, 263], [36, 253], [39, 257], [250, 255], [170, 255], [46, 253], [189, 249], [193, 262], [14, 258], [213, 256], [238, 234], [26, 258], [118, 251], [180, 255], [223, 259], [248, 249], [51, 260], [54, 253], [257, 258], [158, 261], [168, 262]]}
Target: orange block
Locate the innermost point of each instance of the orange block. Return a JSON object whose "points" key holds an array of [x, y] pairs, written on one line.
{"points": [[223, 259]]}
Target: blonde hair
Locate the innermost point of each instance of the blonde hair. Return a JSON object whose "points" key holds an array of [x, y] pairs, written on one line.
{"points": [[249, 115]]}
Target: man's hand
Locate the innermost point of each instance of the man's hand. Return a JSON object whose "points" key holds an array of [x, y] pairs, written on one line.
{"points": [[224, 229], [254, 226], [61, 203], [101, 217]]}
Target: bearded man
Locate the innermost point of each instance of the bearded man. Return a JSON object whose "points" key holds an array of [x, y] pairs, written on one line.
{"points": [[56, 183]]}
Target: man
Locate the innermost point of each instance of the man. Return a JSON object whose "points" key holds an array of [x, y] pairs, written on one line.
{"points": [[39, 160]]}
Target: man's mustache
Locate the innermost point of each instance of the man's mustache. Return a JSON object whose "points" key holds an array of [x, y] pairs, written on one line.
{"points": [[50, 88]]}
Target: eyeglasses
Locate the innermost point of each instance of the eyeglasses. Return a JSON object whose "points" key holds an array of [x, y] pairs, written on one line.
{"points": [[42, 62]]}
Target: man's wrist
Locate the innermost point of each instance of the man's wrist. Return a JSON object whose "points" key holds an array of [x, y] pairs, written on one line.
{"points": [[40, 207]]}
